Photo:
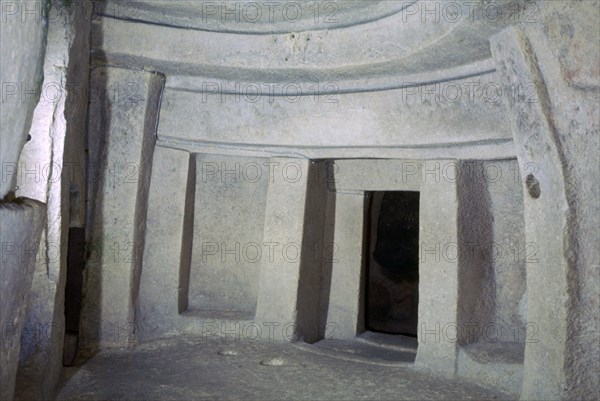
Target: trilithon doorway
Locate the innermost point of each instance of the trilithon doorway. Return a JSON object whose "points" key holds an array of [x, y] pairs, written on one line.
{"points": [[392, 293]]}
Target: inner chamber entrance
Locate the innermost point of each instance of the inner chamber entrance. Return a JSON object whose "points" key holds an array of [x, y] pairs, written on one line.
{"points": [[392, 292]]}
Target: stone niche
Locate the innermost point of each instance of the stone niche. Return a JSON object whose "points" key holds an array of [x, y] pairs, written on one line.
{"points": [[219, 248], [208, 215], [242, 239], [211, 238], [229, 214]]}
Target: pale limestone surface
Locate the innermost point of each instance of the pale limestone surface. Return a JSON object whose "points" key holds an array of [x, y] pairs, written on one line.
{"points": [[188, 367], [559, 135], [164, 282], [123, 134], [284, 227], [52, 170], [345, 311], [497, 365], [402, 42], [382, 120], [438, 273], [23, 33], [22, 224], [337, 120], [226, 256], [511, 250]]}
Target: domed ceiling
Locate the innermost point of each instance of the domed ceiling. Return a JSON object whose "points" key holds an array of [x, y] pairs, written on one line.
{"points": [[304, 41], [256, 17], [352, 64]]}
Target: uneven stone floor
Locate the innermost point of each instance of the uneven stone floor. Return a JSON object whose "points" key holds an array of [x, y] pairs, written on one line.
{"points": [[191, 368]]}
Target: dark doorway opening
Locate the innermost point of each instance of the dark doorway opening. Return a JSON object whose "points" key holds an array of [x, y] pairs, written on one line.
{"points": [[73, 292], [392, 285]]}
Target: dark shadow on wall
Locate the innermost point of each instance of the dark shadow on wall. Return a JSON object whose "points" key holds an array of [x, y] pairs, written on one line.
{"points": [[313, 257], [325, 175]]}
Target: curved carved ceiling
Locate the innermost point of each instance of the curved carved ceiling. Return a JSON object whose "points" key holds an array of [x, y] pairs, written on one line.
{"points": [[374, 51], [254, 16], [372, 41]]}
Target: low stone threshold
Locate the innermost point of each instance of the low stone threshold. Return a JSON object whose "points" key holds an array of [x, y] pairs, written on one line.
{"points": [[369, 347], [395, 342]]}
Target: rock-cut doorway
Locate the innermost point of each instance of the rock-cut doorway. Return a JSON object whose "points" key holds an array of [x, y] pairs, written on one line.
{"points": [[392, 268]]}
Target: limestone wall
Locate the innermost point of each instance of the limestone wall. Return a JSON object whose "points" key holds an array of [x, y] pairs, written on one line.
{"points": [[184, 113], [558, 133], [22, 33], [51, 169], [24, 28], [226, 255], [386, 102]]}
